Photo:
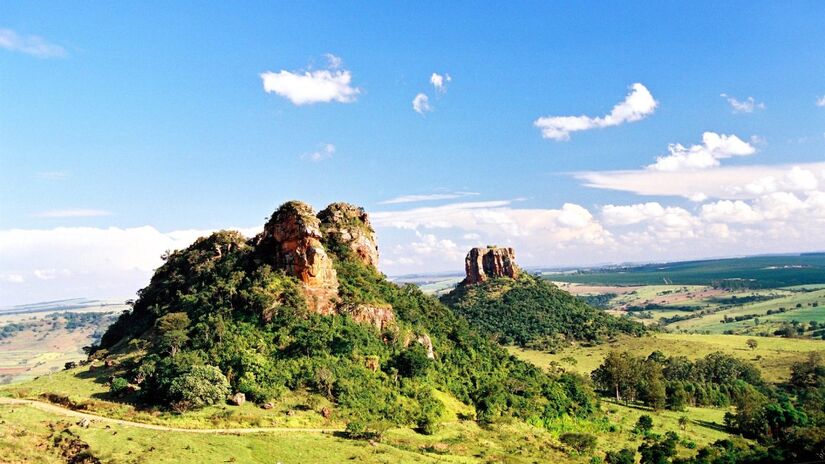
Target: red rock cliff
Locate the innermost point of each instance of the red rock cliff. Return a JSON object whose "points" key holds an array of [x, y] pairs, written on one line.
{"points": [[485, 263], [293, 237]]}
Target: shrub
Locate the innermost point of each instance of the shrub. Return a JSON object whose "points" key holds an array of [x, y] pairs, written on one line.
{"points": [[644, 425], [581, 442], [118, 385], [623, 456], [201, 386]]}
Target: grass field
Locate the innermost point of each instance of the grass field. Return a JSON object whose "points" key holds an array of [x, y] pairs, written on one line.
{"points": [[755, 271], [773, 356]]}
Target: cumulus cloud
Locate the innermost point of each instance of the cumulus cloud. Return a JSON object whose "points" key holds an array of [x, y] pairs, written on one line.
{"points": [[71, 213], [421, 104], [820, 101], [637, 105], [745, 106], [426, 197], [326, 151], [713, 148], [30, 44], [440, 82], [307, 87]]}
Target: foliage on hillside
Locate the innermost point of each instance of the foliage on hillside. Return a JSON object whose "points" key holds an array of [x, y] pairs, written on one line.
{"points": [[531, 312], [215, 319]]}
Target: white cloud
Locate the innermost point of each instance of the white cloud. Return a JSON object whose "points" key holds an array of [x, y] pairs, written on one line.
{"points": [[820, 101], [746, 106], [723, 182], [308, 87], [637, 105], [333, 62], [68, 262], [728, 211], [326, 151], [440, 82], [421, 103], [30, 44], [71, 213], [427, 197], [52, 175], [713, 148]]}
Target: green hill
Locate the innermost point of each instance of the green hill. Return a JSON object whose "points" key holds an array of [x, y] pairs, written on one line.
{"points": [[302, 306], [530, 312]]}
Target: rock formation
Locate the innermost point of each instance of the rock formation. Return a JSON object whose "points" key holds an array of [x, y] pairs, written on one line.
{"points": [[381, 316], [292, 237], [485, 263], [349, 225]]}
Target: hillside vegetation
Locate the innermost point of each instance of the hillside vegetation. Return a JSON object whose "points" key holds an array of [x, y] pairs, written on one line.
{"points": [[530, 312], [221, 317]]}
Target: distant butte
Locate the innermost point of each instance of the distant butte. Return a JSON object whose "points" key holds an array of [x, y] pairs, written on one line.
{"points": [[486, 263]]}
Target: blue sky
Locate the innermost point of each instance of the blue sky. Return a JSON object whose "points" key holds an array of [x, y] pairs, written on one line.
{"points": [[140, 125]]}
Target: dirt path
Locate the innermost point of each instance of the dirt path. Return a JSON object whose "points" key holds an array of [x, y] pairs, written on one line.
{"points": [[52, 408]]}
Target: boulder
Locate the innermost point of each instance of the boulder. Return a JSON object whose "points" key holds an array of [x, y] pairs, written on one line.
{"points": [[267, 405], [491, 262], [326, 412], [237, 399]]}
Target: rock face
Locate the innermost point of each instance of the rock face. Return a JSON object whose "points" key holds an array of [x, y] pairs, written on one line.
{"points": [[349, 225], [486, 263], [381, 316], [293, 237]]}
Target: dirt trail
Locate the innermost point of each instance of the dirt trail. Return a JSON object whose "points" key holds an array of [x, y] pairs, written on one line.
{"points": [[52, 408]]}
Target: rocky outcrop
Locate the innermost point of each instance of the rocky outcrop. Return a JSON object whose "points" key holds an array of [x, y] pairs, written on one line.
{"points": [[349, 225], [292, 239], [381, 316], [486, 263]]}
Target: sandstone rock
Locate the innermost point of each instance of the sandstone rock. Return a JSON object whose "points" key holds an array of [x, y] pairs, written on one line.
{"points": [[237, 399], [381, 316], [349, 225], [290, 413], [292, 238], [372, 363], [267, 405], [486, 263], [425, 340], [84, 423]]}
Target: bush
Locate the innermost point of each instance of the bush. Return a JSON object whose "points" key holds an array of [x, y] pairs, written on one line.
{"points": [[623, 456], [118, 385], [581, 442], [201, 386], [644, 425]]}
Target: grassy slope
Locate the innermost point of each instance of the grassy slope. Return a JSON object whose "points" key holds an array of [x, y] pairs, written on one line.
{"points": [[457, 441], [777, 354], [24, 433]]}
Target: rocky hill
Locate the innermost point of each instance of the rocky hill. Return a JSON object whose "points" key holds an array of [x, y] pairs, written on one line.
{"points": [[517, 308], [302, 306]]}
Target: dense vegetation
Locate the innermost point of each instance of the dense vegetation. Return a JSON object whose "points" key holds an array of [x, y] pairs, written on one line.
{"points": [[787, 421], [533, 313], [216, 319]]}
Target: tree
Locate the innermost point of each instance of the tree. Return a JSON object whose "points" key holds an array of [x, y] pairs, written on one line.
{"points": [[615, 374], [172, 331], [200, 386], [752, 344], [652, 385], [623, 456], [659, 452], [413, 361]]}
